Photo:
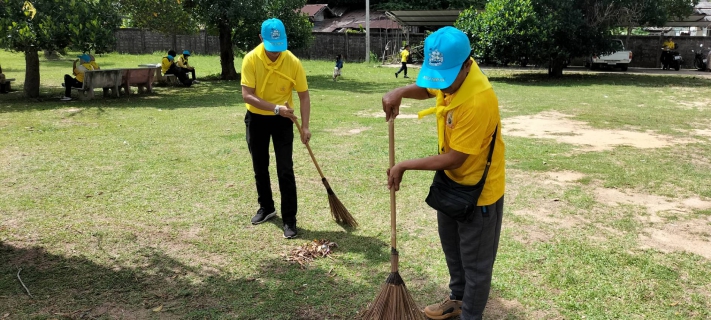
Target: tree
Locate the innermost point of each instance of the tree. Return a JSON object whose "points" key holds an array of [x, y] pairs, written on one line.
{"points": [[406, 4], [649, 13], [238, 24], [165, 16], [52, 25]]}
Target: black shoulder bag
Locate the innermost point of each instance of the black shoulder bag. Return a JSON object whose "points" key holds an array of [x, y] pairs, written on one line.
{"points": [[453, 199]]}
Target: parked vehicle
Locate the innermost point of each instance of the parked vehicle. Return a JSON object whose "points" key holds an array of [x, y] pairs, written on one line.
{"points": [[700, 61], [620, 58], [671, 59]]}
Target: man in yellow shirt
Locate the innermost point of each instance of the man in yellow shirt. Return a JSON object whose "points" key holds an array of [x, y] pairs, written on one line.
{"points": [[270, 73], [86, 63], [3, 85], [404, 54], [469, 126], [168, 66], [182, 62]]}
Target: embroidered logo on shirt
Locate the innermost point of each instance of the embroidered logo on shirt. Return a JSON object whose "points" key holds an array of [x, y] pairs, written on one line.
{"points": [[450, 121], [436, 58]]}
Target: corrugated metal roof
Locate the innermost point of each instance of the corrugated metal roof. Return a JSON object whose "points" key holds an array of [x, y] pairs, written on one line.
{"points": [[354, 20], [425, 18], [313, 9], [700, 18]]}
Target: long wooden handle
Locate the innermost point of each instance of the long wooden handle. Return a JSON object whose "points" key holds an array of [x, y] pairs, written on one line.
{"points": [[311, 153], [393, 207]]}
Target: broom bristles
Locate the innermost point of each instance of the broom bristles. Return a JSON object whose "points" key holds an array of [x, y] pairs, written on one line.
{"points": [[393, 302], [338, 210]]}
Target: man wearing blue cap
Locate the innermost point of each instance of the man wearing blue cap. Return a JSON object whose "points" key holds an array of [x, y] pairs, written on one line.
{"points": [[182, 62], [86, 63], [471, 155], [270, 73]]}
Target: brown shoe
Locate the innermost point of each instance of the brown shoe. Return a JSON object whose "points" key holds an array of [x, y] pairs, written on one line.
{"points": [[444, 310]]}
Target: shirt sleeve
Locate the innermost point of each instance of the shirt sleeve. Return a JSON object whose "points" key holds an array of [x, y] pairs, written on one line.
{"points": [[300, 78], [249, 76], [469, 134]]}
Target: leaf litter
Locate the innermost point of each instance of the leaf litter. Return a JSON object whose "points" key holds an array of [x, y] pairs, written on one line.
{"points": [[308, 252]]}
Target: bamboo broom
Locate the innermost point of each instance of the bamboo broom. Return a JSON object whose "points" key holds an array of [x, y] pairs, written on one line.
{"points": [[393, 302], [338, 210]]}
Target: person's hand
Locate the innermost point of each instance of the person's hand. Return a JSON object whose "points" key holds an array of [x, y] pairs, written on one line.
{"points": [[395, 177], [305, 135], [391, 104], [286, 112]]}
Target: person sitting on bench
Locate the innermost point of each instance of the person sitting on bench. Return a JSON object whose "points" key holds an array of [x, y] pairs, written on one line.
{"points": [[169, 67], [182, 62], [85, 64]]}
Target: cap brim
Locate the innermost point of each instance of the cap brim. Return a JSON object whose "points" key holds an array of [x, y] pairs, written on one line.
{"points": [[275, 45], [437, 79]]}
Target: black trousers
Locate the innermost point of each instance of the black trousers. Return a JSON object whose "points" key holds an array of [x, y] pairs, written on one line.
{"points": [[403, 68], [178, 72], [70, 82], [470, 251], [260, 130], [186, 70]]}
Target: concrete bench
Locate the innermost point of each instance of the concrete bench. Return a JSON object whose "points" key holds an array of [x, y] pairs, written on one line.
{"points": [[155, 66], [107, 79], [7, 83], [139, 77]]}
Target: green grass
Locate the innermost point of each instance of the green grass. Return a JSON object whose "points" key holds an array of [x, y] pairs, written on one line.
{"points": [[114, 207]]}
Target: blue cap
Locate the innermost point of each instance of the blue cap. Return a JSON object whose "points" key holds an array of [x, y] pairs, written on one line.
{"points": [[445, 51], [170, 58], [84, 57], [186, 52], [274, 35]]}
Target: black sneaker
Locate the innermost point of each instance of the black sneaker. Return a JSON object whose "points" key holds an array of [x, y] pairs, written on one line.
{"points": [[290, 231], [395, 74], [405, 76], [262, 216]]}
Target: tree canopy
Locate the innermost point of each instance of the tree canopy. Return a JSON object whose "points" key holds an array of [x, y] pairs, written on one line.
{"points": [[165, 16], [29, 27], [553, 31]]}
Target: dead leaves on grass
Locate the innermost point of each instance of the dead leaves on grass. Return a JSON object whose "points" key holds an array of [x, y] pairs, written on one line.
{"points": [[310, 251]]}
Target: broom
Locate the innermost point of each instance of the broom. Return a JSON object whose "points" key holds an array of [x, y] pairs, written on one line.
{"points": [[393, 302], [338, 211]]}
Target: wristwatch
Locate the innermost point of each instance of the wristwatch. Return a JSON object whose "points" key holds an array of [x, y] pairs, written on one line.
{"points": [[276, 110]]}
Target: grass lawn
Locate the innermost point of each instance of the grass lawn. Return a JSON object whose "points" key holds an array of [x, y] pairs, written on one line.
{"points": [[139, 208]]}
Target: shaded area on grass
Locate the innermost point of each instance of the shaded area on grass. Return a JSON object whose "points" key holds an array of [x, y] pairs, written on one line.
{"points": [[577, 79]]}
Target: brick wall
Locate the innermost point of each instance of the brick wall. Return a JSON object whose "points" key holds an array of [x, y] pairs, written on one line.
{"points": [[648, 49], [136, 41]]}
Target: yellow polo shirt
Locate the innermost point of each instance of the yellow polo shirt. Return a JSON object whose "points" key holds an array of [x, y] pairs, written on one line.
{"points": [[165, 64], [182, 61], [80, 69], [403, 55], [273, 81], [668, 44], [468, 128]]}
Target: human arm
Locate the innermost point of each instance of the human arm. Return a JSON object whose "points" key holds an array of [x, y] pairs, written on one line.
{"points": [[305, 109], [250, 96], [392, 99], [447, 161], [74, 67]]}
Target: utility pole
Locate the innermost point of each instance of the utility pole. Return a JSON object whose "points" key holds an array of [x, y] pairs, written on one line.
{"points": [[367, 30]]}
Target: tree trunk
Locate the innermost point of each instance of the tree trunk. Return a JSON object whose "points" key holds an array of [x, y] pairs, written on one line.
{"points": [[32, 74], [555, 67], [227, 54]]}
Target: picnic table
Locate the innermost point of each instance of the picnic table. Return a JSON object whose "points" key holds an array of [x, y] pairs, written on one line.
{"points": [[168, 78], [107, 79], [7, 83]]}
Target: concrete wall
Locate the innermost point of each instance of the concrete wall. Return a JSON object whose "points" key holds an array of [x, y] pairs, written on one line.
{"points": [[326, 45], [647, 50]]}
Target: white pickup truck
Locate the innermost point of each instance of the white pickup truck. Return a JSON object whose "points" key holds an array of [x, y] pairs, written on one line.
{"points": [[620, 58]]}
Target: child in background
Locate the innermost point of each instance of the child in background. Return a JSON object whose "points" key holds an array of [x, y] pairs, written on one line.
{"points": [[339, 66]]}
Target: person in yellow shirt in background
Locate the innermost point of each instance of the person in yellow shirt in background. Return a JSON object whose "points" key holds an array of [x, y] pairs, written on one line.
{"points": [[469, 127], [86, 63], [182, 62], [168, 66], [404, 54], [667, 46], [270, 73]]}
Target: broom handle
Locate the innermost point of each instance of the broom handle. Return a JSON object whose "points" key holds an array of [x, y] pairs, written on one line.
{"points": [[311, 153], [393, 207]]}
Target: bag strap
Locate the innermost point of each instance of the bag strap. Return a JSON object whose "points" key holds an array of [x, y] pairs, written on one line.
{"points": [[491, 153]]}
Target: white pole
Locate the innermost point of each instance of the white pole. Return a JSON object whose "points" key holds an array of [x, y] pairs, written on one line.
{"points": [[367, 30]]}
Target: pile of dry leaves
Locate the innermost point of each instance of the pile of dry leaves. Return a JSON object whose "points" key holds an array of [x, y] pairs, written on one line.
{"points": [[310, 251]]}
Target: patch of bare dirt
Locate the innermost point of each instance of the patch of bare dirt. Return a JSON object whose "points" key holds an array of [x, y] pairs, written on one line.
{"points": [[563, 177], [558, 126], [704, 132], [654, 204], [381, 114], [348, 132], [690, 236], [699, 105]]}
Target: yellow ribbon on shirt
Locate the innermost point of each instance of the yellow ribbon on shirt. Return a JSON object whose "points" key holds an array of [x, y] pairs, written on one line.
{"points": [[440, 110], [271, 69]]}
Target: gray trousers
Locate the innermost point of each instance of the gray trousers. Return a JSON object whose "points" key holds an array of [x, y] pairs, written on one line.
{"points": [[470, 251]]}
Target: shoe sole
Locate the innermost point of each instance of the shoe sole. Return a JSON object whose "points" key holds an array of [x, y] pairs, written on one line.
{"points": [[292, 237], [269, 216]]}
